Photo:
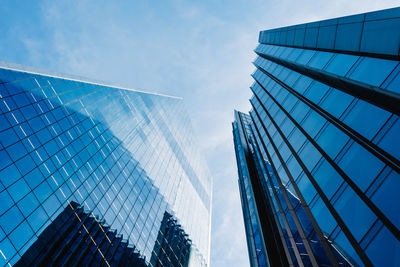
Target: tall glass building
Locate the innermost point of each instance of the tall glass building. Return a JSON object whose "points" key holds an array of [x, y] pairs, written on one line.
{"points": [[319, 154], [92, 173]]}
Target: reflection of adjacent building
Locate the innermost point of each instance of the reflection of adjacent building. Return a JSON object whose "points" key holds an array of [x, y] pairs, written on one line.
{"points": [[318, 155], [76, 237], [124, 155], [172, 247]]}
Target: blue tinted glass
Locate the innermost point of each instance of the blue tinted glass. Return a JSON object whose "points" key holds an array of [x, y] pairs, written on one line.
{"points": [[316, 91], [9, 175], [355, 213], [327, 178], [332, 140], [302, 84], [360, 165], [21, 235], [306, 188], [341, 64], [18, 190], [28, 204], [345, 247], [336, 102], [386, 195], [6, 201], [384, 250], [70, 158], [366, 118], [395, 84], [310, 156], [4, 159], [305, 56], [10, 219], [297, 139], [390, 142], [313, 123], [323, 216], [348, 36], [320, 59], [373, 71]]}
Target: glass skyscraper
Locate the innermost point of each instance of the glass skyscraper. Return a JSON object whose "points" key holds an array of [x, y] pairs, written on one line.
{"points": [[92, 173], [319, 154]]}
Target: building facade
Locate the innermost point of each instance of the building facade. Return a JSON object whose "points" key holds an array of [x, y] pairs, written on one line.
{"points": [[319, 154], [123, 163]]}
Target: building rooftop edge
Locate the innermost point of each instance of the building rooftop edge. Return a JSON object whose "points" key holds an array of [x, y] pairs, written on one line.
{"points": [[33, 70], [379, 12]]}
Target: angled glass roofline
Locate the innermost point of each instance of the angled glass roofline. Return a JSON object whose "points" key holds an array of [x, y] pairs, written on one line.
{"points": [[77, 78]]}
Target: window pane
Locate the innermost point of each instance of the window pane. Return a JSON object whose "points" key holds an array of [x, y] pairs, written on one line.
{"points": [[355, 213], [373, 71], [360, 165], [366, 118], [386, 197], [384, 250]]}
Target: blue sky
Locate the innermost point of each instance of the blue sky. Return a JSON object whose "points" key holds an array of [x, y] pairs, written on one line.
{"points": [[200, 50]]}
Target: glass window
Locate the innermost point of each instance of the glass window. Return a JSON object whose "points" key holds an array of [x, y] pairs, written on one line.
{"points": [[8, 250], [10, 219], [373, 71], [43, 191], [313, 123], [18, 190], [345, 247], [21, 235], [348, 36], [332, 140], [28, 204], [306, 188], [355, 213], [320, 59], [4, 124], [336, 102], [316, 92], [37, 219], [305, 56], [4, 159], [302, 84], [310, 39], [381, 36], [294, 167], [395, 84], [26, 164], [366, 118], [390, 142], [297, 139], [299, 111], [16, 151], [326, 37], [341, 64], [9, 175], [384, 250], [327, 178], [386, 198], [8, 137], [310, 156], [323, 216], [360, 165], [6, 202]]}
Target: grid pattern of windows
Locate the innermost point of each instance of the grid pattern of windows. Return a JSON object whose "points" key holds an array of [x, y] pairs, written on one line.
{"points": [[124, 155], [326, 123]]}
